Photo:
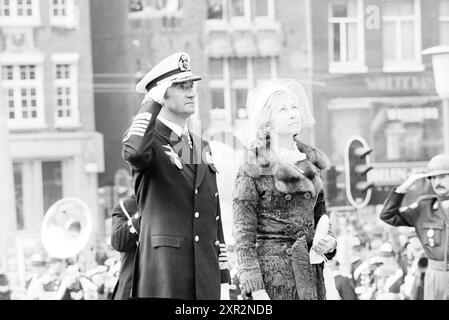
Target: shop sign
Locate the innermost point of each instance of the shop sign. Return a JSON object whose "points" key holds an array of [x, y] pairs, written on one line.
{"points": [[400, 83], [413, 114]]}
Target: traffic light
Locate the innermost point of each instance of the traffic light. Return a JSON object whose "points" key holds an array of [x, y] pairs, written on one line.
{"points": [[357, 166]]}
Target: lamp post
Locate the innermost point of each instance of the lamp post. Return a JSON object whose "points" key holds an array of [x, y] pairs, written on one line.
{"points": [[440, 63]]}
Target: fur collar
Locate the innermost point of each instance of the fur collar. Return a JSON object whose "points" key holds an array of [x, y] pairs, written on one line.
{"points": [[304, 176]]}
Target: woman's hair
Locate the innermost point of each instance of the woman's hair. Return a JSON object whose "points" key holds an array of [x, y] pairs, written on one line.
{"points": [[260, 109], [264, 123]]}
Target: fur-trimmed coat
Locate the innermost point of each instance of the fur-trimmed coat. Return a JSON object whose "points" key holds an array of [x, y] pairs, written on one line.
{"points": [[276, 208]]}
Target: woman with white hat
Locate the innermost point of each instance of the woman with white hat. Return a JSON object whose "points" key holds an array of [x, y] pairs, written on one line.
{"points": [[278, 199]]}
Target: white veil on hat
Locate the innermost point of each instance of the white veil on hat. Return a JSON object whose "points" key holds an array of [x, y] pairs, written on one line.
{"points": [[258, 107]]}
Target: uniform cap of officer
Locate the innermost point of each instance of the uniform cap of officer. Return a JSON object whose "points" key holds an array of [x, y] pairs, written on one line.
{"points": [[175, 68], [438, 165]]}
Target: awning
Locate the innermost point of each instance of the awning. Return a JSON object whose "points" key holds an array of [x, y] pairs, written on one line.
{"points": [[219, 45], [244, 44], [269, 43]]}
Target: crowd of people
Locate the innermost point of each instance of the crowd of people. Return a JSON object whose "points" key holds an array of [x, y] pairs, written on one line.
{"points": [[91, 275], [380, 264]]}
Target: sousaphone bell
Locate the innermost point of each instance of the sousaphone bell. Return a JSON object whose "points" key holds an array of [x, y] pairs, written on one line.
{"points": [[66, 228]]}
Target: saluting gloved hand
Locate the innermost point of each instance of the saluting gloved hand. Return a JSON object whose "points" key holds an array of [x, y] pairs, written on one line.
{"points": [[157, 93], [409, 182]]}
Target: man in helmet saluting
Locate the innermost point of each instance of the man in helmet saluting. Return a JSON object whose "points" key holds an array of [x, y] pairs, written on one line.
{"points": [[429, 215], [181, 252]]}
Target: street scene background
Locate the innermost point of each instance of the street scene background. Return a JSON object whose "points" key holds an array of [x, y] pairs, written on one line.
{"points": [[67, 95]]}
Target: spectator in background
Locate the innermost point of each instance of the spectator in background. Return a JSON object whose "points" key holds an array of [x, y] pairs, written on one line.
{"points": [[389, 275], [359, 261], [34, 285], [5, 290], [343, 282]]}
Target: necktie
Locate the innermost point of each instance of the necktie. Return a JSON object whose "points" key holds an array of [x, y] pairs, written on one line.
{"points": [[185, 136]]}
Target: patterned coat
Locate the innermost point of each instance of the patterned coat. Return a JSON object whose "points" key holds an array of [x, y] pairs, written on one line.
{"points": [[274, 230]]}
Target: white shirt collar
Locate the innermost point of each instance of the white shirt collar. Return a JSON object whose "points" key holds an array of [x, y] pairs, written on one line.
{"points": [[173, 126]]}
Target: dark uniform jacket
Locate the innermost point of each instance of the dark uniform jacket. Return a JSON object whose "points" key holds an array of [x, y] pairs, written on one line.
{"points": [[124, 238], [181, 229], [426, 215]]}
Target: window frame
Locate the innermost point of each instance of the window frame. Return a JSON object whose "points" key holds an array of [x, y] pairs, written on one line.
{"points": [[406, 65], [344, 66], [14, 20], [17, 60], [33, 188], [65, 20], [271, 13], [228, 85], [72, 60]]}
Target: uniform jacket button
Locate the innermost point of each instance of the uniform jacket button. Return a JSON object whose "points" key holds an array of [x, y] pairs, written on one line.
{"points": [[311, 225], [307, 195], [289, 251], [288, 227], [197, 215], [197, 238], [288, 197], [196, 191]]}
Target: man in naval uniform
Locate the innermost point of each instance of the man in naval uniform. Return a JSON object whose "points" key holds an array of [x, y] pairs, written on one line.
{"points": [[181, 252], [430, 218]]}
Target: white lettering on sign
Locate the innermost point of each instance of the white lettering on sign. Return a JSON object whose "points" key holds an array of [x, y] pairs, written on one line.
{"points": [[413, 114], [400, 83], [392, 174]]}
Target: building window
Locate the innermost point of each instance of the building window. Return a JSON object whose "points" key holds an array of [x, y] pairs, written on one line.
{"points": [[38, 185], [22, 94], [64, 13], [444, 22], [5, 8], [402, 36], [230, 80], [263, 10], [147, 9], [19, 12], [51, 183], [238, 9], [66, 90], [346, 37], [215, 9], [24, 8], [59, 8]]}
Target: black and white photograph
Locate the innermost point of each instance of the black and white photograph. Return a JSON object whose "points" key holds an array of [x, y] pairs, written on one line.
{"points": [[227, 151]]}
